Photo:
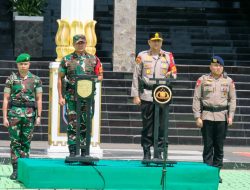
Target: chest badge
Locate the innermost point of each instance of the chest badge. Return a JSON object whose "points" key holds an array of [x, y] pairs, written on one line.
{"points": [[148, 71], [164, 65]]}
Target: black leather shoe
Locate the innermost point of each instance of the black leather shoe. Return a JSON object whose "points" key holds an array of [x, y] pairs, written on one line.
{"points": [[72, 150], [83, 152], [159, 156], [13, 176], [146, 154], [220, 179]]}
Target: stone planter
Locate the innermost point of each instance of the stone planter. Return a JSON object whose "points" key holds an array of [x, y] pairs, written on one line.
{"points": [[28, 35]]}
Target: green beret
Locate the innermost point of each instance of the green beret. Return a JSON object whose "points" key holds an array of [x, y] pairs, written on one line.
{"points": [[23, 57]]}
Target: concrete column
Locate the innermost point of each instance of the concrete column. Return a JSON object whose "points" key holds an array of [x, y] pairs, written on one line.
{"points": [[124, 35], [81, 10]]}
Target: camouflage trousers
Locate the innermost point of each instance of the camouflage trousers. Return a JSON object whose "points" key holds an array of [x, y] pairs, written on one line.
{"points": [[21, 133], [72, 122]]}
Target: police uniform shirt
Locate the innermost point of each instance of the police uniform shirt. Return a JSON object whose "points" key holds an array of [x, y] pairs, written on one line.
{"points": [[214, 93], [149, 66]]}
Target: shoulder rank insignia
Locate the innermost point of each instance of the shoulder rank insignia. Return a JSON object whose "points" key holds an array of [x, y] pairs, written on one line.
{"points": [[174, 70], [138, 60], [198, 83], [162, 54]]}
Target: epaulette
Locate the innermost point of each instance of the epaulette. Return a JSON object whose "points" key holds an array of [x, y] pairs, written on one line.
{"points": [[14, 75], [164, 53], [205, 76], [138, 60], [224, 74], [90, 55], [67, 57], [143, 52]]}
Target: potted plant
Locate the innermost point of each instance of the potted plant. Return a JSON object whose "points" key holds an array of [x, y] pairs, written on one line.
{"points": [[28, 7], [28, 26]]}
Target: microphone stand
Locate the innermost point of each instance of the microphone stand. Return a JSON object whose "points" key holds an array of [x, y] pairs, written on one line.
{"points": [[165, 120]]}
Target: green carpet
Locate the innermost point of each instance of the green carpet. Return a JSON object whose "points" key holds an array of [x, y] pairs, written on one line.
{"points": [[114, 174]]}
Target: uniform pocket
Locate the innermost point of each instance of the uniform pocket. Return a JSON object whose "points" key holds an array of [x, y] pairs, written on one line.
{"points": [[164, 69], [17, 86], [30, 112], [15, 112], [147, 69], [208, 91], [224, 91]]}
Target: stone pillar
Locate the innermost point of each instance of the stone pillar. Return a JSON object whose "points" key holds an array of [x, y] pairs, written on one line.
{"points": [[124, 35], [28, 35]]}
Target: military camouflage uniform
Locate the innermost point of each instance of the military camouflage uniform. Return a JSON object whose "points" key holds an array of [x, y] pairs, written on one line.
{"points": [[147, 67], [73, 64], [22, 112], [214, 100]]}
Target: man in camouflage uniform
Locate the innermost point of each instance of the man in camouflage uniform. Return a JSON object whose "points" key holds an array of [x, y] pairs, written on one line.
{"points": [[214, 104], [151, 63], [23, 96], [78, 62]]}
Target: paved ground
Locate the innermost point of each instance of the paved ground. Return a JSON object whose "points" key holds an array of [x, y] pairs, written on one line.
{"points": [[236, 172]]}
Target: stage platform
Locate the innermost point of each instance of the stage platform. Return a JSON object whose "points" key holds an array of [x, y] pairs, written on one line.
{"points": [[115, 174]]}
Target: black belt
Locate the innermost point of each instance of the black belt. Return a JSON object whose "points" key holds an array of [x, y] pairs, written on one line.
{"points": [[215, 109], [148, 87], [23, 104]]}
